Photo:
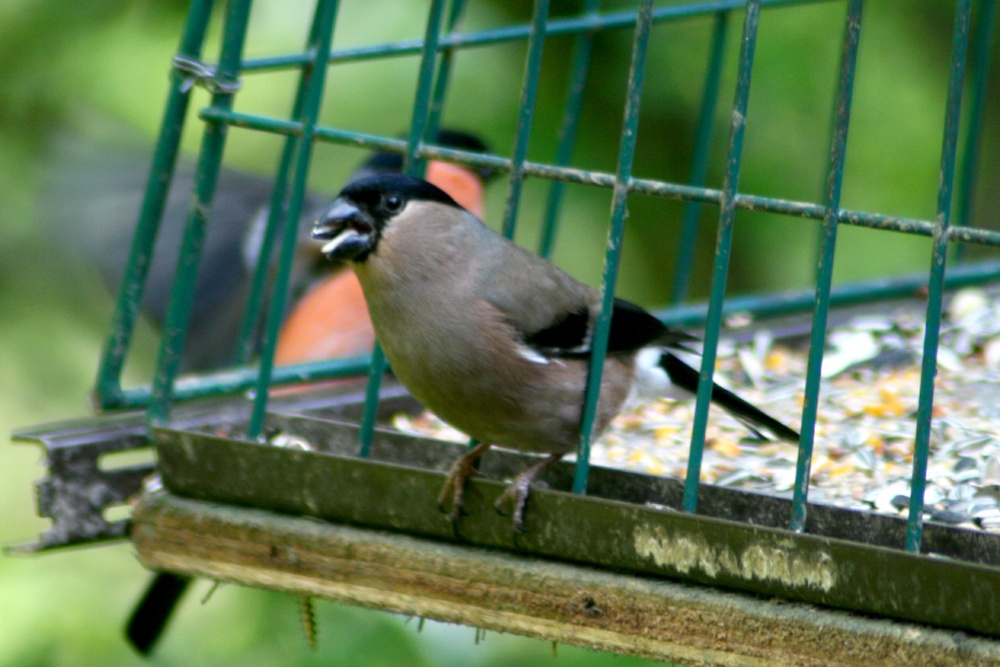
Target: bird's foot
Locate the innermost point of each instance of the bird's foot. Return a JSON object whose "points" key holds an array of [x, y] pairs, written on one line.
{"points": [[519, 489], [454, 484], [516, 494]]}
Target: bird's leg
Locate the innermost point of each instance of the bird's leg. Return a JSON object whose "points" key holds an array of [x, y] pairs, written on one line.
{"points": [[454, 483], [519, 488]]}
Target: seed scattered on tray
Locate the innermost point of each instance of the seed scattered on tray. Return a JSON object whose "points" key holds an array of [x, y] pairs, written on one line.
{"points": [[865, 426]]}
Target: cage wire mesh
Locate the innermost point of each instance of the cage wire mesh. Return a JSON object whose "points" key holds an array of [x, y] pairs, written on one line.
{"points": [[728, 26]]}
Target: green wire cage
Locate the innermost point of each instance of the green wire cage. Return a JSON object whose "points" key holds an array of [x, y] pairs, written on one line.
{"points": [[210, 430]]}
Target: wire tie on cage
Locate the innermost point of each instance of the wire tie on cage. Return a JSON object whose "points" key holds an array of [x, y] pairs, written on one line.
{"points": [[204, 75]]}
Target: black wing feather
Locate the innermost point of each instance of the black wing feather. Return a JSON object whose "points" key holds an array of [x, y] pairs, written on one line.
{"points": [[632, 328], [566, 335]]}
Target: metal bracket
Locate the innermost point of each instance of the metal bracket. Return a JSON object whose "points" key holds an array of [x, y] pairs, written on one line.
{"points": [[78, 490], [82, 484]]}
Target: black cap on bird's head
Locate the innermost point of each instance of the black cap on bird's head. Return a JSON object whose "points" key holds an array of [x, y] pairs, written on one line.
{"points": [[383, 163], [353, 223]]}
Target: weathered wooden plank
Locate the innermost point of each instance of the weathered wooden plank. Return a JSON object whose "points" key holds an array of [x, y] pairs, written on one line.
{"points": [[507, 592], [645, 539]]}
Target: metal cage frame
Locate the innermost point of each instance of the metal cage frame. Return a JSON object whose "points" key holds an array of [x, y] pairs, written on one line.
{"points": [[436, 52]]}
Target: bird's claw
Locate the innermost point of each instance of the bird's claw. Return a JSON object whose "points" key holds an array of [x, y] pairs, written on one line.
{"points": [[454, 483], [453, 491], [517, 495], [520, 488]]}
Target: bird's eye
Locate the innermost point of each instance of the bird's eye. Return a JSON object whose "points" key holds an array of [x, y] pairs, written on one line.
{"points": [[393, 203]]}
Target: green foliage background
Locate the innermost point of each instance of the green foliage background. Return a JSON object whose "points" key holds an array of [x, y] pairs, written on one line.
{"points": [[97, 70]]}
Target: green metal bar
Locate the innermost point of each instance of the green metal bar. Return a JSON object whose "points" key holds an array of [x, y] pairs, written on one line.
{"points": [[556, 27], [567, 131], [525, 115], [824, 282], [652, 188], [413, 162], [443, 77], [246, 342], [108, 389], [616, 234], [928, 366], [314, 80], [206, 176], [250, 327], [865, 291], [235, 380], [699, 164], [974, 128], [727, 217], [414, 166], [821, 229]]}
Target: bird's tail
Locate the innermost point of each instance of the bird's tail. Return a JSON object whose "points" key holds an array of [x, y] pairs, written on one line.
{"points": [[150, 616], [686, 378]]}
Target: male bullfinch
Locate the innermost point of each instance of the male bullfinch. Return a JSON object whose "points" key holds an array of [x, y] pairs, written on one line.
{"points": [[493, 338]]}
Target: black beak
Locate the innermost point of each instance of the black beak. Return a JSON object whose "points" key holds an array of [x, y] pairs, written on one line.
{"points": [[350, 231]]}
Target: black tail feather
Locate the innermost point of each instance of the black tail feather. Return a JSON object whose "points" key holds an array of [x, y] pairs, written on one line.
{"points": [[686, 377], [150, 616]]}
